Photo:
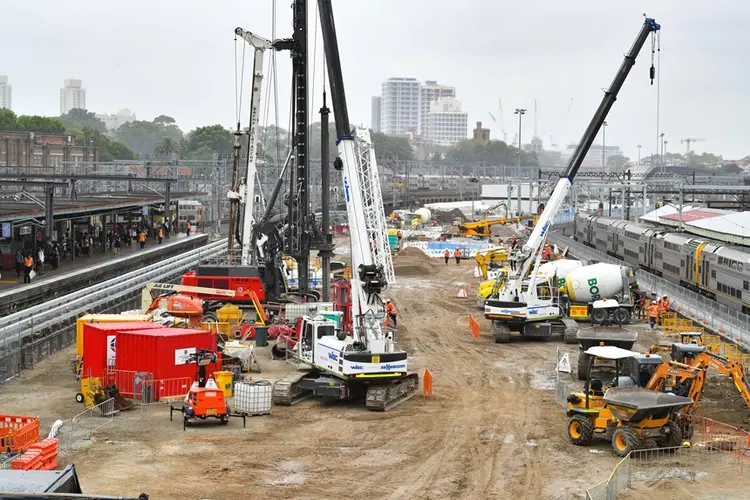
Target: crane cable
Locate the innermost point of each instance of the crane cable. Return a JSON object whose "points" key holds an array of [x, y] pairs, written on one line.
{"points": [[656, 54], [238, 88]]}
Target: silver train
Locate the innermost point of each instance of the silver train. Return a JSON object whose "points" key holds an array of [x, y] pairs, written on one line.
{"points": [[716, 270]]}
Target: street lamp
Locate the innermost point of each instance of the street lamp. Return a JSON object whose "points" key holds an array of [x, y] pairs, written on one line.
{"points": [[662, 152], [604, 146], [639, 155], [520, 112], [665, 153]]}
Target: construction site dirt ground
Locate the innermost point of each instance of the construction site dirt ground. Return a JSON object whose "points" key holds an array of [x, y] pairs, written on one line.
{"points": [[491, 430]]}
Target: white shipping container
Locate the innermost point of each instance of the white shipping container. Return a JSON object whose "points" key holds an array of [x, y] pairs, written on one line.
{"points": [[252, 398]]}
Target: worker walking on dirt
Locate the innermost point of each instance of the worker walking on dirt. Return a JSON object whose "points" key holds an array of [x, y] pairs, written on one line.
{"points": [[653, 314], [392, 312], [457, 255], [447, 255]]}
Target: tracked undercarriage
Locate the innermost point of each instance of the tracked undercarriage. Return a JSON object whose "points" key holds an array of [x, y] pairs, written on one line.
{"points": [[379, 394], [568, 328]]}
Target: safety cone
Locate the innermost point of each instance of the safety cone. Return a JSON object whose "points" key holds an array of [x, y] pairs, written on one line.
{"points": [[462, 294]]}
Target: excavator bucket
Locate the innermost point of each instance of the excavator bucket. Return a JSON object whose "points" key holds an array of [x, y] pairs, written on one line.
{"points": [[121, 403]]}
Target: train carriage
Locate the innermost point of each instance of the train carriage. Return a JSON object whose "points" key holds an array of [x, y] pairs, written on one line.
{"points": [[727, 270]]}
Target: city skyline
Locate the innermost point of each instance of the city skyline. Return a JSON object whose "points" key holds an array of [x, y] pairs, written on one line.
{"points": [[541, 68], [5, 93]]}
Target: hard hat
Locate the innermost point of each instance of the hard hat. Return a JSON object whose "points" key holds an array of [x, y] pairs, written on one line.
{"points": [[665, 296], [387, 301]]}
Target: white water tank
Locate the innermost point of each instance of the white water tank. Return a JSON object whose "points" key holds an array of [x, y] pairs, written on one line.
{"points": [[596, 281], [252, 398]]}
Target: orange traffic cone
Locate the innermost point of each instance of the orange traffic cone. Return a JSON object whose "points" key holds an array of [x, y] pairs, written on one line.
{"points": [[462, 294]]}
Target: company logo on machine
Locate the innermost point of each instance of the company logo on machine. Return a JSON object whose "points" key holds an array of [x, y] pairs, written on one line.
{"points": [[545, 228], [358, 367], [594, 289], [332, 356], [389, 366], [346, 189], [182, 356]]}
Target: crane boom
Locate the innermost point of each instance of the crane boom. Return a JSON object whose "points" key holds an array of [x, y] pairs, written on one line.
{"points": [[260, 45], [539, 234]]}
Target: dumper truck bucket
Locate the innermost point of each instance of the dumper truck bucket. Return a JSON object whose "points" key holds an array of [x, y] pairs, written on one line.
{"points": [[635, 404], [121, 403]]}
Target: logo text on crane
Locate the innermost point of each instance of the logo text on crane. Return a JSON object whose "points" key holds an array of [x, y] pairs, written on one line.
{"points": [[346, 189]]}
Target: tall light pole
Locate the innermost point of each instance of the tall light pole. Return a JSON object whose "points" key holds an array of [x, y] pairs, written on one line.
{"points": [[665, 153], [639, 155], [662, 152], [604, 146], [520, 112]]}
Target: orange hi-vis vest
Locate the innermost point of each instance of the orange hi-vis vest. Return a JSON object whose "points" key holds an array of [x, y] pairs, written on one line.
{"points": [[653, 310], [28, 261], [447, 253], [457, 253], [391, 309], [665, 305]]}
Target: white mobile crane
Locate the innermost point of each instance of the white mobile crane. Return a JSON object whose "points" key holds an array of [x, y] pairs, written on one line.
{"points": [[534, 310], [369, 363]]}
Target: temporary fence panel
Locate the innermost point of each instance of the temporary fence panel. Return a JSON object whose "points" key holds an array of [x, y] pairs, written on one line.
{"points": [[85, 423], [474, 327], [17, 433]]}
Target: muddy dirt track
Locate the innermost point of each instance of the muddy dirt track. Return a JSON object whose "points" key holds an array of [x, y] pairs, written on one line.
{"points": [[492, 429]]}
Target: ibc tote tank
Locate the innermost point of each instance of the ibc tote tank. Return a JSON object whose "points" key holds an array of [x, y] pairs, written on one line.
{"points": [[596, 281]]}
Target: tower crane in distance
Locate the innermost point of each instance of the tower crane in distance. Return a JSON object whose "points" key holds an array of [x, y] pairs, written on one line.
{"points": [[688, 141], [369, 363], [528, 306]]}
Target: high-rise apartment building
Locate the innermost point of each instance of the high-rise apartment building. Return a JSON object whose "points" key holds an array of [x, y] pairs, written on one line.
{"points": [[399, 106], [4, 93], [447, 124], [430, 92], [72, 96], [375, 113], [113, 122]]}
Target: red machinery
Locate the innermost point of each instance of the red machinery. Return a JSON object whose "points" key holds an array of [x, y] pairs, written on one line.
{"points": [[342, 301], [241, 279]]}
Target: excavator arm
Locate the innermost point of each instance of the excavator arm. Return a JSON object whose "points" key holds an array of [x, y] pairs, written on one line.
{"points": [[147, 299], [482, 227], [726, 367]]}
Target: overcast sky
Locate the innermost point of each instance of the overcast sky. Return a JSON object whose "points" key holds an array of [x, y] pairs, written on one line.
{"points": [[177, 58]]}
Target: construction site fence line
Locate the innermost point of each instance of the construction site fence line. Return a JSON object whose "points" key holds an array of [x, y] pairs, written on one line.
{"points": [[730, 324], [714, 446], [82, 426]]}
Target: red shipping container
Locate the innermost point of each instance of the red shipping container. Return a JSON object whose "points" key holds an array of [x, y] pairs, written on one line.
{"points": [[163, 354], [99, 341]]}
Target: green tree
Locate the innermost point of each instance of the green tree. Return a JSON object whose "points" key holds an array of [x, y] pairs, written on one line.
{"points": [[167, 147], [109, 150], [7, 120], [617, 162], [496, 152], [731, 168], [143, 136], [213, 138], [80, 118], [392, 146], [42, 124], [164, 120]]}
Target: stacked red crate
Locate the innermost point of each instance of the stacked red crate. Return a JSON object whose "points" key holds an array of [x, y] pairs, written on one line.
{"points": [[40, 456]]}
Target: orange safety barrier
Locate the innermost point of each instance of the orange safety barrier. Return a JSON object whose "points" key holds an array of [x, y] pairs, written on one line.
{"points": [[17, 433], [473, 327], [40, 456], [427, 387]]}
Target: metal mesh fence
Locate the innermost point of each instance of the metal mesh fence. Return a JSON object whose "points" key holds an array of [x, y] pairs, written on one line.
{"points": [[82, 426]]}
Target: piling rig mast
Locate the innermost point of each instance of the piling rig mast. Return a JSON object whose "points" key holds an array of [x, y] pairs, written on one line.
{"points": [[369, 363]]}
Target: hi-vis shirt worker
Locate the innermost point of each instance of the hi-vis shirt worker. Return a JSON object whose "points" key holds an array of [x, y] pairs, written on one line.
{"points": [[653, 313], [447, 255]]}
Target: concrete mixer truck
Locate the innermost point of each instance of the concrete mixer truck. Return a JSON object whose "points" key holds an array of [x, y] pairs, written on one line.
{"points": [[601, 293]]}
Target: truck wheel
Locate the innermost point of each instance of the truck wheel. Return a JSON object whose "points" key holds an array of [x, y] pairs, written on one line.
{"points": [[580, 430], [79, 398], [583, 366], [599, 316], [673, 436], [625, 440], [621, 316]]}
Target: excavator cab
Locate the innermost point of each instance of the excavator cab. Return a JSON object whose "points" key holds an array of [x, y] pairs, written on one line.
{"points": [[686, 353]]}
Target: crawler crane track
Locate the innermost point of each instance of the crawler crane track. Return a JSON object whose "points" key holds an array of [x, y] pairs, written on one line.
{"points": [[287, 392], [386, 397]]}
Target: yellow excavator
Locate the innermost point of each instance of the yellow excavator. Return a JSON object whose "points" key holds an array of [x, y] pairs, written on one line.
{"points": [[486, 259], [482, 229]]}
